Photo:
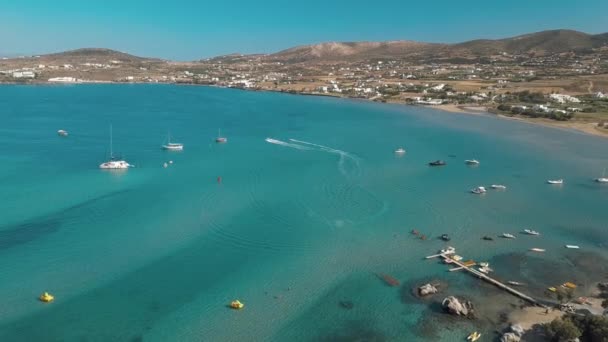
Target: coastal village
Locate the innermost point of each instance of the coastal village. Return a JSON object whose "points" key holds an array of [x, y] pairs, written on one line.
{"points": [[560, 87]]}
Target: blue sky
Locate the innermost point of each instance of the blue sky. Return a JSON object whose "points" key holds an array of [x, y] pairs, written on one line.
{"points": [[190, 29]]}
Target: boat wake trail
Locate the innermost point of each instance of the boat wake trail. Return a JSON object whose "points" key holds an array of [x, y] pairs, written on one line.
{"points": [[286, 144], [347, 161]]}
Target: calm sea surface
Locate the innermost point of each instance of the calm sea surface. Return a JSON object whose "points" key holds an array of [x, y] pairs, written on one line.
{"points": [[295, 227]]}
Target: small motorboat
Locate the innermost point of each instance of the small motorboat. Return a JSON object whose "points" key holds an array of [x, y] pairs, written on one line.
{"points": [[572, 246], [531, 232], [555, 181], [438, 163], [479, 190], [400, 151], [471, 162], [165, 165], [237, 305], [474, 336], [498, 187], [46, 297], [488, 238], [508, 236], [484, 264], [62, 133], [445, 237], [515, 283], [539, 250], [552, 289]]}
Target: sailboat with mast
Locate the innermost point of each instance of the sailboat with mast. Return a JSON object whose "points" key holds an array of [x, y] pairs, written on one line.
{"points": [[220, 139], [602, 179], [113, 163], [172, 146]]}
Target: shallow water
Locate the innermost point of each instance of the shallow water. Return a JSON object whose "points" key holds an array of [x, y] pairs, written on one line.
{"points": [[297, 224]]}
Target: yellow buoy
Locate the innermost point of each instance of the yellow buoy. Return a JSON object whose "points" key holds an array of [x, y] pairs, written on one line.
{"points": [[235, 304], [46, 297]]}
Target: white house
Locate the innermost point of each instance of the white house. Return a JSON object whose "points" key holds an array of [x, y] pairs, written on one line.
{"points": [[63, 80], [24, 74]]}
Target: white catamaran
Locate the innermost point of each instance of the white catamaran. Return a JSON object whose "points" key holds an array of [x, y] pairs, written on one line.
{"points": [[113, 163]]}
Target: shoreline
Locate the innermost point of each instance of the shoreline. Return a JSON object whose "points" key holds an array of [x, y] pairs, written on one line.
{"points": [[589, 128]]}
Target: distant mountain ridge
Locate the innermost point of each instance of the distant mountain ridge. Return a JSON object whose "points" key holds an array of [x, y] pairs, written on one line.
{"points": [[545, 42]]}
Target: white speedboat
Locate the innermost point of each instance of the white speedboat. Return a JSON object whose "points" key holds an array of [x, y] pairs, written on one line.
{"points": [[62, 133], [220, 139], [400, 150], [498, 187], [539, 250], [172, 146], [572, 246], [471, 162], [508, 236], [456, 257], [484, 264], [114, 164], [531, 232], [602, 179], [555, 181], [479, 190]]}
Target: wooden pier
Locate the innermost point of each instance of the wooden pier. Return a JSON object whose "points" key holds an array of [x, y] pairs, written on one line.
{"points": [[462, 266]]}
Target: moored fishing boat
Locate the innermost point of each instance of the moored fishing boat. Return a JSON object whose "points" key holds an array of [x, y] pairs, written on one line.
{"points": [[531, 232]]}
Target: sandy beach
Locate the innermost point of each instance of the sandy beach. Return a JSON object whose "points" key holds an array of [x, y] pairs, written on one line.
{"points": [[584, 127]]}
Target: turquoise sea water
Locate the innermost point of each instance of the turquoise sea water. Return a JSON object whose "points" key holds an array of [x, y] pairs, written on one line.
{"points": [[295, 227]]}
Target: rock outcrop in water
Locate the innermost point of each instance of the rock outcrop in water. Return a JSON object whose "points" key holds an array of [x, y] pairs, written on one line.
{"points": [[454, 306], [513, 335], [427, 290]]}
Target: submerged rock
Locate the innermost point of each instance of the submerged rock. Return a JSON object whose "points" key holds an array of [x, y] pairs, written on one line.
{"points": [[347, 304], [454, 306], [426, 290]]}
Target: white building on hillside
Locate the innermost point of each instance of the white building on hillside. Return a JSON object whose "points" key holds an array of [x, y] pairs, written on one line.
{"points": [[561, 98]]}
